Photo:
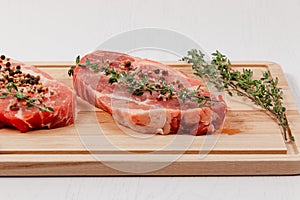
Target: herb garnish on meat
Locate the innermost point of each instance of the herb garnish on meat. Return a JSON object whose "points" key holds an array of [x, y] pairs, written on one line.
{"points": [[25, 88], [138, 83]]}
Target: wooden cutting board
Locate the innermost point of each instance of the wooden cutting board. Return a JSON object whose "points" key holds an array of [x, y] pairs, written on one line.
{"points": [[250, 142]]}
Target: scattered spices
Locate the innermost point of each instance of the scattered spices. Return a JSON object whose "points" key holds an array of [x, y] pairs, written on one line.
{"points": [[25, 88]]}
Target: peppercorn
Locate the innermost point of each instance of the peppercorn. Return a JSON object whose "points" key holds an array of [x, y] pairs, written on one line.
{"points": [[164, 72], [128, 63], [14, 107], [18, 67], [7, 64], [2, 57], [27, 80], [156, 71], [11, 73], [161, 79], [10, 80]]}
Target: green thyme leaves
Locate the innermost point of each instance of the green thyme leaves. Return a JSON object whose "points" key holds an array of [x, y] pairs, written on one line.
{"points": [[71, 70], [138, 82], [10, 86], [263, 92]]}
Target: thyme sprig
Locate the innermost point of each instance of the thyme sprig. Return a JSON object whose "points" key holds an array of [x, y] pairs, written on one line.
{"points": [[138, 83], [71, 70], [12, 89], [264, 92]]}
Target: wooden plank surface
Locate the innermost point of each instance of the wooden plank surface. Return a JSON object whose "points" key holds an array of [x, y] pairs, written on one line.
{"points": [[249, 135]]}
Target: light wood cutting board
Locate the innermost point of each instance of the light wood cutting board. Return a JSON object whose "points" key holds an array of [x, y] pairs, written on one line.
{"points": [[250, 142]]}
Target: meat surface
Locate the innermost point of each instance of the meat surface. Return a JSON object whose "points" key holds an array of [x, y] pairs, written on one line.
{"points": [[39, 88], [147, 113]]}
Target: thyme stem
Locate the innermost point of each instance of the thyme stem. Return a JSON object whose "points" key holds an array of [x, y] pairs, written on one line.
{"points": [[263, 92]]}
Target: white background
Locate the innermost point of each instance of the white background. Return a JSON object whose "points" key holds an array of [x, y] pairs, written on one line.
{"points": [[36, 30]]}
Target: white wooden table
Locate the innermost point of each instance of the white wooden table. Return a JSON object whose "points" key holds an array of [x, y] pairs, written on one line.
{"points": [[244, 30]]}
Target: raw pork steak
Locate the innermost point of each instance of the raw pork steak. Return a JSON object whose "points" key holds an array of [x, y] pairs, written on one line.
{"points": [[32, 99], [145, 112]]}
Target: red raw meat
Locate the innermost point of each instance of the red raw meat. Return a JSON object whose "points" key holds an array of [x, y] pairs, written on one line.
{"points": [[62, 100], [147, 113]]}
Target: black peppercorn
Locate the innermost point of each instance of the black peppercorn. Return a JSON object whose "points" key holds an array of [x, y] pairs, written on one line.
{"points": [[164, 72], [14, 107], [11, 73], [156, 71], [128, 63], [2, 57], [18, 67], [161, 79], [180, 85], [10, 80], [7, 64]]}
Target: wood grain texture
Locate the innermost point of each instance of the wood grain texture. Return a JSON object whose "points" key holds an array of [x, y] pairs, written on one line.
{"points": [[249, 143]]}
